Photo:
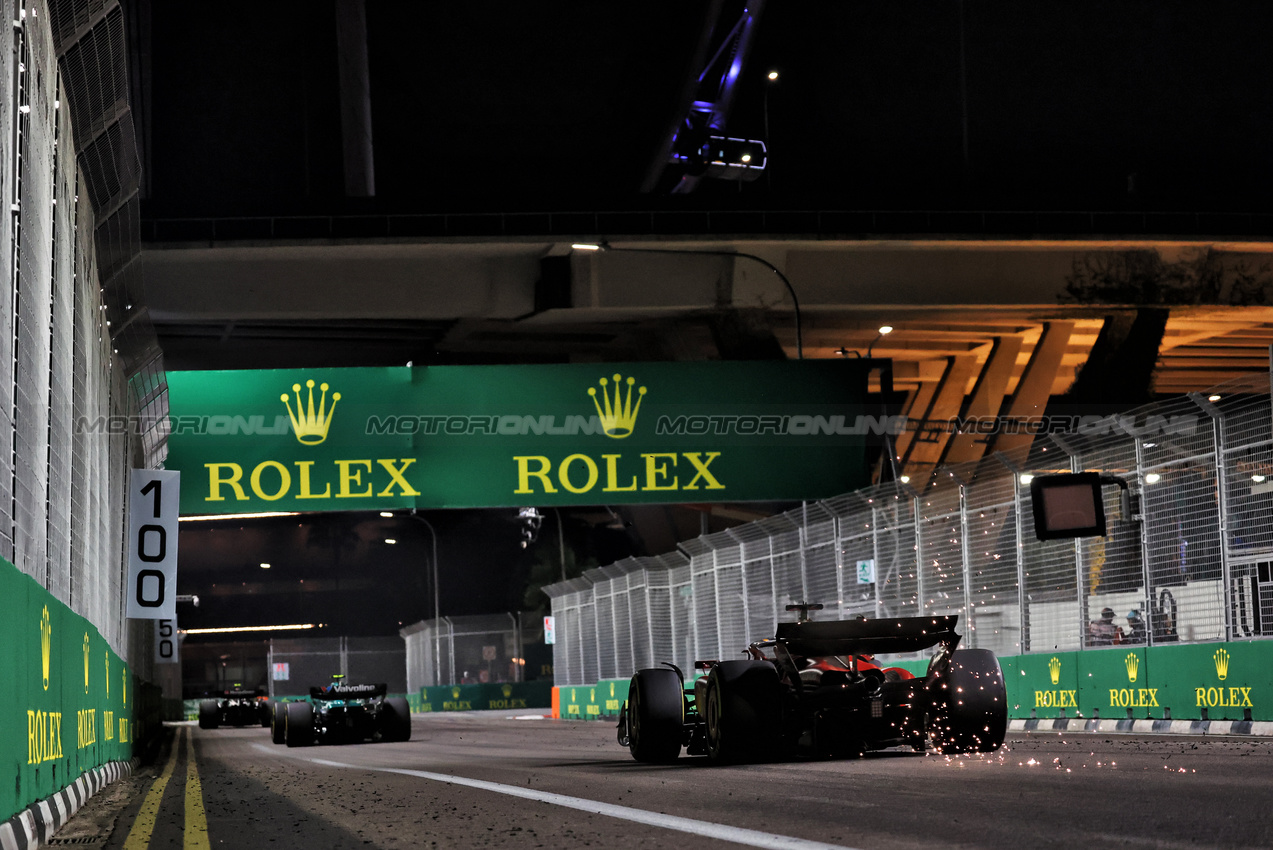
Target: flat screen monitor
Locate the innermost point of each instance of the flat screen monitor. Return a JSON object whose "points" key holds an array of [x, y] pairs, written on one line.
{"points": [[1068, 505]]}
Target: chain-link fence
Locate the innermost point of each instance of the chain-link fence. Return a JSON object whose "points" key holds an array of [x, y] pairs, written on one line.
{"points": [[1187, 559], [297, 665], [77, 351], [464, 650]]}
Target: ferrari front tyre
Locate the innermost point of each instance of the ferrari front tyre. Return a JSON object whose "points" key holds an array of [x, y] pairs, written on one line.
{"points": [[299, 731], [971, 706], [395, 720], [208, 714], [278, 722], [743, 711], [656, 715]]}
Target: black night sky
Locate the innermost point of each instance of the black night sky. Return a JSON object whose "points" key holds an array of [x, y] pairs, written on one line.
{"points": [[489, 106]]}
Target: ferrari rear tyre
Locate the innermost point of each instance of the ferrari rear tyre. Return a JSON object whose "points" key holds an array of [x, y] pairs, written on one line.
{"points": [[656, 715], [743, 711], [396, 725], [278, 722], [299, 730], [266, 710], [971, 711], [208, 714]]}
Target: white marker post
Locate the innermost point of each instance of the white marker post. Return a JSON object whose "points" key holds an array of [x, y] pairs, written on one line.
{"points": [[154, 504]]}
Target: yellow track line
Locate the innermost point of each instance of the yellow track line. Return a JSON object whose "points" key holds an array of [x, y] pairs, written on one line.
{"points": [[144, 824], [196, 834]]}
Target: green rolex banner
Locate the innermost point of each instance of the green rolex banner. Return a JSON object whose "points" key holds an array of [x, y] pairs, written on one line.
{"points": [[502, 436]]}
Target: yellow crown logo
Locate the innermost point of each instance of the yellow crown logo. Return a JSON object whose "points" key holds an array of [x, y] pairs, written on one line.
{"points": [[1132, 663], [310, 426], [1222, 663], [507, 690], [455, 693], [86, 662], [124, 688], [108, 673], [1054, 667], [612, 689], [618, 415], [46, 645]]}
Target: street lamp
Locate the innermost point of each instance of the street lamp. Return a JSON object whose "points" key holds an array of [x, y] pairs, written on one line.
{"points": [[795, 302]]}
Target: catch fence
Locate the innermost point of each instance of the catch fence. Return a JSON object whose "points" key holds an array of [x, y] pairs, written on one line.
{"points": [[1187, 559], [464, 650]]}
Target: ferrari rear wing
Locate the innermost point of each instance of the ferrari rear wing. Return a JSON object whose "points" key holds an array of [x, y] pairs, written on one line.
{"points": [[851, 637]]}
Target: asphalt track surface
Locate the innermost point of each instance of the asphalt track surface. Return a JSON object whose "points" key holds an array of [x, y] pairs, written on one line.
{"points": [[488, 780]]}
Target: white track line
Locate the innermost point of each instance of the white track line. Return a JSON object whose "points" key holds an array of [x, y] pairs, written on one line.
{"points": [[738, 835]]}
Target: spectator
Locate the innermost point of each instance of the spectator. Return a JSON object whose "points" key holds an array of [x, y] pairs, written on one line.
{"points": [[1136, 627], [1103, 632]]}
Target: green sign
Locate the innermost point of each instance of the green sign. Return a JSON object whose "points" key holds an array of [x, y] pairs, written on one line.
{"points": [[69, 699], [503, 436]]}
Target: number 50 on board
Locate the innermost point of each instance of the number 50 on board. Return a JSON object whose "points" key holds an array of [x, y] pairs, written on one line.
{"points": [[154, 500]]}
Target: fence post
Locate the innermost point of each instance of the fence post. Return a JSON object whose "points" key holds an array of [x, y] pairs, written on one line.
{"points": [[1222, 505], [919, 558], [970, 624]]}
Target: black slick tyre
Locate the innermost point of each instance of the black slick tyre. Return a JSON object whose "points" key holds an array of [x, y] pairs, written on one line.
{"points": [[396, 720], [970, 712], [266, 710], [656, 715], [299, 731], [208, 714], [278, 722], [743, 711]]}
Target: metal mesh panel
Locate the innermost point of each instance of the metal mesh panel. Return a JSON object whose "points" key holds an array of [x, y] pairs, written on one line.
{"points": [[310, 663], [822, 575], [758, 584], [603, 608], [377, 659], [788, 566], [941, 584], [662, 625], [995, 619], [703, 584], [895, 557], [731, 622], [684, 648]]}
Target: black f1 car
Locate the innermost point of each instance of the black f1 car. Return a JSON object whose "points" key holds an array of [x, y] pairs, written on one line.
{"points": [[342, 713], [235, 707], [815, 690]]}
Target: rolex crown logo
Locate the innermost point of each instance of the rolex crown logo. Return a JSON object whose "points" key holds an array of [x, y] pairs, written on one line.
{"points": [[46, 645], [507, 690], [1054, 667], [310, 425], [86, 662], [618, 413], [1221, 657], [1132, 663], [455, 693]]}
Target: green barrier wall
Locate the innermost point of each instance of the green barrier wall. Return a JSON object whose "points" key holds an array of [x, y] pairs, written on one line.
{"points": [[69, 701], [484, 697], [1211, 681]]}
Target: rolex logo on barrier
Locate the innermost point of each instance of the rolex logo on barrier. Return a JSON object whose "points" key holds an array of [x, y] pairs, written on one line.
{"points": [[455, 693], [1221, 658], [1054, 668], [46, 645], [618, 414], [1132, 663], [86, 653], [507, 690], [310, 425]]}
